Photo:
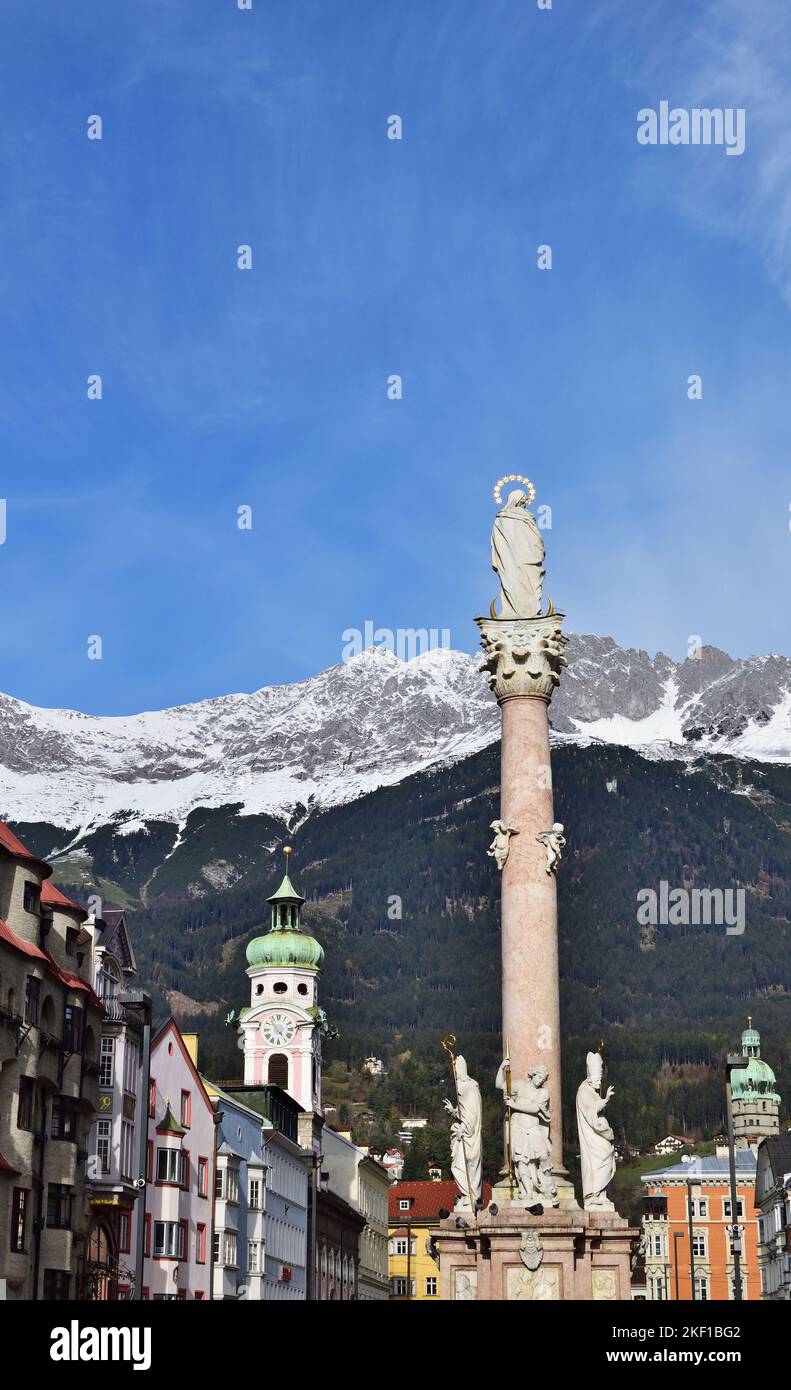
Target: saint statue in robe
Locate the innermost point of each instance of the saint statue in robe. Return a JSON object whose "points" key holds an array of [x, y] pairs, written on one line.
{"points": [[465, 1139], [529, 1142], [597, 1143], [518, 558]]}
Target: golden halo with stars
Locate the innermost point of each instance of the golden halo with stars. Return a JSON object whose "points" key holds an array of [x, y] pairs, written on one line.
{"points": [[513, 478]]}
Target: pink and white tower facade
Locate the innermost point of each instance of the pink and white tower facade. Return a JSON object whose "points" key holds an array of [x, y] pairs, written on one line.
{"points": [[281, 1031]]}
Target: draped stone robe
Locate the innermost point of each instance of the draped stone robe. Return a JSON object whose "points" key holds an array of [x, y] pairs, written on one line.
{"points": [[518, 559]]}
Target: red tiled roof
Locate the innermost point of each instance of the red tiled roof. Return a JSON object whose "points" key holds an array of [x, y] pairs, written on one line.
{"points": [[14, 845], [27, 947], [54, 898], [428, 1199]]}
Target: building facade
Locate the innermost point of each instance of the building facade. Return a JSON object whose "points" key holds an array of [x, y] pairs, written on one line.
{"points": [[362, 1182], [50, 1028], [114, 1147], [415, 1211], [261, 1207], [773, 1197], [703, 1185], [178, 1199], [338, 1230]]}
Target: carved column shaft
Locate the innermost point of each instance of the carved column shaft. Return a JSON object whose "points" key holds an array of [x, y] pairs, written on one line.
{"points": [[524, 658]]}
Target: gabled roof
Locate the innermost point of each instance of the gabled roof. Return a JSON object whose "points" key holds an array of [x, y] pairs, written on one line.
{"points": [[171, 1027], [12, 843], [427, 1198], [116, 939]]}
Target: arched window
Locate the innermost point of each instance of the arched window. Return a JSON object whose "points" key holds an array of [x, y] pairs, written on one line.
{"points": [[278, 1070], [109, 984]]}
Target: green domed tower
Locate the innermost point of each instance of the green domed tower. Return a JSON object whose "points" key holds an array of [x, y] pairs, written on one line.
{"points": [[756, 1103], [282, 1028]]}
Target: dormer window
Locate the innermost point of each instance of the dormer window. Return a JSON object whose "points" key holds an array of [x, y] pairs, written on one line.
{"points": [[404, 1204]]}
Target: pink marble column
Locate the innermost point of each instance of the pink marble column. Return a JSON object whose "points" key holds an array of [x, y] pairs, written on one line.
{"points": [[531, 1005]]}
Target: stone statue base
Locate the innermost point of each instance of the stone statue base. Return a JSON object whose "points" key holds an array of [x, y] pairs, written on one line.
{"points": [[565, 1255]]}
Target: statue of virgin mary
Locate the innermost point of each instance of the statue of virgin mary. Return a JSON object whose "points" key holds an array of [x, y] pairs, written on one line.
{"points": [[518, 558]]}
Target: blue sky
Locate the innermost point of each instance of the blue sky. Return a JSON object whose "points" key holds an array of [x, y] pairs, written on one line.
{"points": [[372, 256]]}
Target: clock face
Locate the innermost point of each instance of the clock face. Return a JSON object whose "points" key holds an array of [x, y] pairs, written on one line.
{"points": [[278, 1029]]}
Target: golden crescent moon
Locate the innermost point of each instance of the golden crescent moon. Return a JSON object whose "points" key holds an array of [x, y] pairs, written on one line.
{"points": [[492, 613], [550, 609]]}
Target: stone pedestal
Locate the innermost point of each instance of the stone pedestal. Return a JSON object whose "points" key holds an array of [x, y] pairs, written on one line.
{"points": [[524, 657], [579, 1256]]}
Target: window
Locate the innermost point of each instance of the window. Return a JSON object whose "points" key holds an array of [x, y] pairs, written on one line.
{"points": [[72, 937], [280, 987], [109, 982], [200, 1243], [107, 1063], [152, 1098], [658, 1244], [104, 1131], [702, 1288], [431, 1286], [125, 1232], [699, 1244], [401, 1247], [131, 1065], [701, 1207], [400, 1287], [218, 1176], [658, 1289], [24, 1114], [253, 1252], [64, 1118], [186, 1109], [726, 1208], [31, 896], [215, 1247], [72, 1028], [254, 1194], [127, 1149], [404, 1204], [170, 1166], [199, 1295], [56, 1285], [32, 992], [278, 1070], [59, 1206], [203, 1177], [229, 1248], [169, 1240], [19, 1208]]}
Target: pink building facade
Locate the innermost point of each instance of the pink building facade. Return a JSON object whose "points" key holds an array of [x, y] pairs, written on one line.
{"points": [[180, 1173]]}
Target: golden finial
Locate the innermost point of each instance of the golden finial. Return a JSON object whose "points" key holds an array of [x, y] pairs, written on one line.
{"points": [[749, 1020], [287, 851]]}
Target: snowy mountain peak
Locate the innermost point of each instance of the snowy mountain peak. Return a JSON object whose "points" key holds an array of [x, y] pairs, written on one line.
{"points": [[369, 722]]}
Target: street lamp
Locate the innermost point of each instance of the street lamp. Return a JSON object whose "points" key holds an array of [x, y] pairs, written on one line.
{"points": [[734, 1062], [140, 1002]]}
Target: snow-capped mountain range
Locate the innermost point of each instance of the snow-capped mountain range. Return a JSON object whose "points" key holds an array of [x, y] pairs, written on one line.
{"points": [[369, 722]]}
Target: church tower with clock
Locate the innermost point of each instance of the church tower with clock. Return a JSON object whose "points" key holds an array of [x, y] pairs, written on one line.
{"points": [[283, 1027]]}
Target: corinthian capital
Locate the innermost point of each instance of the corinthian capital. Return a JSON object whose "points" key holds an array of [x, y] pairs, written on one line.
{"points": [[523, 656]]}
